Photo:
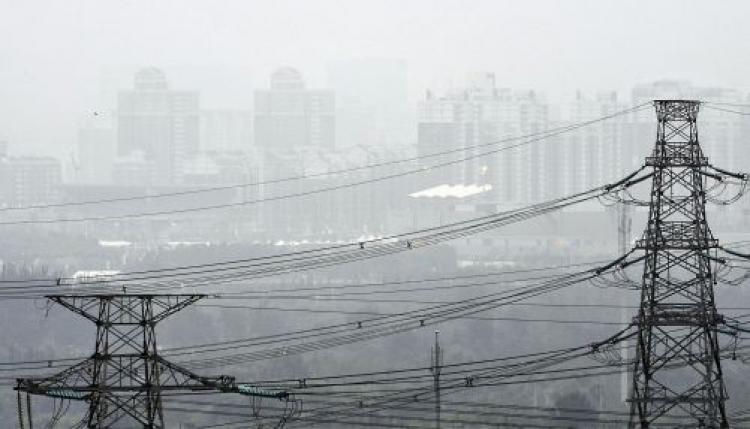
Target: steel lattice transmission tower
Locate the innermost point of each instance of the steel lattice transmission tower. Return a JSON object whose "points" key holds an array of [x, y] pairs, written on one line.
{"points": [[677, 371], [124, 378]]}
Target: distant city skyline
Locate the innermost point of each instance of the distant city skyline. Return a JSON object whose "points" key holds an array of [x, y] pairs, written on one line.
{"points": [[159, 135], [108, 91], [355, 188], [50, 71]]}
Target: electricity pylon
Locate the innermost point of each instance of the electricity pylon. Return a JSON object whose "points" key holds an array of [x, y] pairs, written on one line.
{"points": [[124, 379], [677, 370]]}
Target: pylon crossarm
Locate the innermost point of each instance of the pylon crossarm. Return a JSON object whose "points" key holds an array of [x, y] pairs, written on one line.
{"points": [[85, 306], [125, 309], [166, 305], [259, 392], [176, 375], [125, 377], [622, 335], [623, 183], [76, 376], [735, 329], [735, 253], [739, 176]]}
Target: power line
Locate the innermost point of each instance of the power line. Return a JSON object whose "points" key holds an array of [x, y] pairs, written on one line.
{"points": [[338, 254], [299, 194], [424, 392], [340, 328], [373, 313], [400, 320], [406, 322], [455, 405], [552, 131], [367, 322], [722, 109]]}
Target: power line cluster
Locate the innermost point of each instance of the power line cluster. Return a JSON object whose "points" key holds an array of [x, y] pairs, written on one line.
{"points": [[394, 397], [211, 274]]}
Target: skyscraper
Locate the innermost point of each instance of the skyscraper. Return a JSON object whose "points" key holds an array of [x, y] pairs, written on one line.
{"points": [[29, 180], [96, 151], [289, 116], [161, 123], [589, 156], [470, 122]]}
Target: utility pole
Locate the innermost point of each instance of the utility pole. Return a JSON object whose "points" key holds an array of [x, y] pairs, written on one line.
{"points": [[677, 370], [124, 378], [436, 366]]}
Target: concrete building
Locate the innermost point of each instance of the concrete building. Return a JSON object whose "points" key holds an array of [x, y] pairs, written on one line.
{"points": [[289, 116], [136, 169], [30, 180], [347, 211], [471, 122], [161, 123], [220, 168], [96, 152], [594, 154]]}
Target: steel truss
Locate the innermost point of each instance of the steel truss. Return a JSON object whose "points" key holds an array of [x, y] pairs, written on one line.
{"points": [[677, 371], [124, 379]]}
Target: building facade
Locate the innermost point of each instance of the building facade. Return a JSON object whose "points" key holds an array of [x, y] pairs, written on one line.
{"points": [[289, 116], [30, 180], [476, 125], [161, 123], [96, 152], [591, 155]]}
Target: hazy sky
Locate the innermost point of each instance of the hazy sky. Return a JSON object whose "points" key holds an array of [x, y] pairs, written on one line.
{"points": [[54, 55]]}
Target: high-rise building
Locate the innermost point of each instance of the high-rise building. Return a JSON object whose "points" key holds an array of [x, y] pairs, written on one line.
{"points": [[30, 180], [289, 116], [224, 167], [135, 169], [471, 122], [592, 155], [161, 123], [96, 151]]}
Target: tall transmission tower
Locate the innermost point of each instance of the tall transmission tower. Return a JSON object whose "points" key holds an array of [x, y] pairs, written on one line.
{"points": [[677, 371], [436, 367], [123, 380]]}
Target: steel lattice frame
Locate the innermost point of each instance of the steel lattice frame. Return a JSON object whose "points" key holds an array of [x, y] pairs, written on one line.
{"points": [[678, 369], [123, 380]]}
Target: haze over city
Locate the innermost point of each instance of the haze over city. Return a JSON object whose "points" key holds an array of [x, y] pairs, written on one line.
{"points": [[421, 214], [62, 61]]}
